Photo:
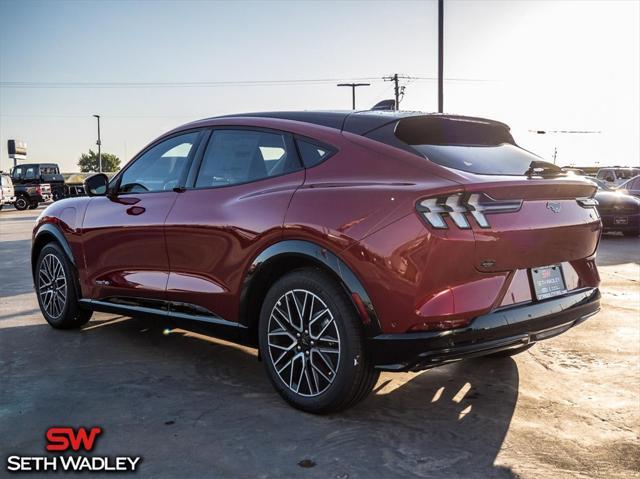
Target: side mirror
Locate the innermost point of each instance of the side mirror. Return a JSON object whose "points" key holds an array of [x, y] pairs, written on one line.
{"points": [[96, 185]]}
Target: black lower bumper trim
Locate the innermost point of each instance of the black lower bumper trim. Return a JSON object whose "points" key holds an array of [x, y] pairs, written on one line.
{"points": [[508, 328]]}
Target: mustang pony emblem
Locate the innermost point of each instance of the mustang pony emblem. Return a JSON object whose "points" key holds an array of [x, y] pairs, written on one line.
{"points": [[555, 207]]}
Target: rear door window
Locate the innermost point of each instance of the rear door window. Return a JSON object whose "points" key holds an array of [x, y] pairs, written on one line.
{"points": [[242, 156]]}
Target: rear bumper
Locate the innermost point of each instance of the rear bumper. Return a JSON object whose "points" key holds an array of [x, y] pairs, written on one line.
{"points": [[503, 329]]}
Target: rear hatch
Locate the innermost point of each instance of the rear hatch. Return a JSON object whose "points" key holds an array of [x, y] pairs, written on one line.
{"points": [[524, 212]]}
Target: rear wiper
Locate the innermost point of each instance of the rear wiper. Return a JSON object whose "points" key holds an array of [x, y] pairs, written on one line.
{"points": [[543, 168]]}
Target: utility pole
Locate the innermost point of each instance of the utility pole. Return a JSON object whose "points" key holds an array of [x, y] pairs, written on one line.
{"points": [[353, 91], [99, 143], [440, 55], [397, 89]]}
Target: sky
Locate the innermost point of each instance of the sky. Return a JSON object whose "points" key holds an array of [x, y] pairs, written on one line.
{"points": [[536, 65]]}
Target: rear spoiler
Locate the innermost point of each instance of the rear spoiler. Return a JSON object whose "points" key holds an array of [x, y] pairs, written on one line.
{"points": [[452, 130]]}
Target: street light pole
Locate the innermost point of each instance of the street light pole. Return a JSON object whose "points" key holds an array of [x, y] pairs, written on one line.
{"points": [[99, 143], [353, 91]]}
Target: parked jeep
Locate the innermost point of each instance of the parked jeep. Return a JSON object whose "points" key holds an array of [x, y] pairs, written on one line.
{"points": [[36, 183]]}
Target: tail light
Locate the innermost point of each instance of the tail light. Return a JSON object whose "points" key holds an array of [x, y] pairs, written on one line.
{"points": [[587, 202], [478, 205]]}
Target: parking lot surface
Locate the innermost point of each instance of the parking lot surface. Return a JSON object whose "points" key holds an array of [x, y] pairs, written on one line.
{"points": [[193, 406]]}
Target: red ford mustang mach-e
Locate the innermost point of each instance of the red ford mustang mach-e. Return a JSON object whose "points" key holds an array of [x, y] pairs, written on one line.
{"points": [[339, 244]]}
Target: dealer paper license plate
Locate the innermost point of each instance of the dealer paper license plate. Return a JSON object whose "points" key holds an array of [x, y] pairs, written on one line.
{"points": [[548, 281]]}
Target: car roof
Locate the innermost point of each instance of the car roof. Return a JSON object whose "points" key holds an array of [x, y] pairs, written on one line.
{"points": [[38, 164], [358, 122]]}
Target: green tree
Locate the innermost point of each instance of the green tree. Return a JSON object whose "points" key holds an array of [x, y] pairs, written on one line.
{"points": [[89, 162]]}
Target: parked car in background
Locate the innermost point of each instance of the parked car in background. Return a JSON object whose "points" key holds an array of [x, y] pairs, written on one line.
{"points": [[615, 176], [618, 211], [36, 183], [631, 187], [74, 185], [7, 193], [326, 240]]}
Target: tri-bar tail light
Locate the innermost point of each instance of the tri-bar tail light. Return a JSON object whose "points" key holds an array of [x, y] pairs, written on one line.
{"points": [[478, 205], [587, 202]]}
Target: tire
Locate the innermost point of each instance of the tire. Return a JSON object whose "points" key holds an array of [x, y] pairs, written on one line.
{"points": [[33, 205], [327, 381], [632, 234], [22, 203], [507, 353], [59, 305], [1, 206]]}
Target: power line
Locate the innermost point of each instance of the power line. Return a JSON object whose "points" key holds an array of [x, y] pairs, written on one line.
{"points": [[212, 84]]}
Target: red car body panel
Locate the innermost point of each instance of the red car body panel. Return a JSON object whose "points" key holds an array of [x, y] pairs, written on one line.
{"points": [[197, 246], [213, 234], [124, 245]]}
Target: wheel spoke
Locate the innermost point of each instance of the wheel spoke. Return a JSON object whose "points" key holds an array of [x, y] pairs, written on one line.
{"points": [[301, 375], [307, 378], [326, 362], [284, 326], [318, 370], [318, 316], [324, 328], [288, 363], [289, 315], [295, 303]]}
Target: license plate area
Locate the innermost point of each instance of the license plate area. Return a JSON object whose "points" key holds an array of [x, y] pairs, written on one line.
{"points": [[620, 220], [548, 281]]}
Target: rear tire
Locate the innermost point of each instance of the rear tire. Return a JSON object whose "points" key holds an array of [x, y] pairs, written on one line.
{"points": [[22, 203], [507, 353], [312, 343], [56, 289]]}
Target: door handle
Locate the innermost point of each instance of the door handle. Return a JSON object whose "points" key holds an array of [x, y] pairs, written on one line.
{"points": [[135, 210]]}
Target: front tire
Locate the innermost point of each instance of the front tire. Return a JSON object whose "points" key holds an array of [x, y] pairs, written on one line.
{"points": [[33, 205], [312, 343], [56, 289]]}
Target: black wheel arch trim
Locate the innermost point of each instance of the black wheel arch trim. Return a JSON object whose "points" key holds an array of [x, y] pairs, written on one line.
{"points": [[323, 257], [51, 230]]}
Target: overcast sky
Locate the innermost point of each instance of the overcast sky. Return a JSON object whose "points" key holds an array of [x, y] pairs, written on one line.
{"points": [[571, 65]]}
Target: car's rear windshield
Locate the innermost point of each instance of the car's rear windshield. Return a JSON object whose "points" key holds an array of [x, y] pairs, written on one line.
{"points": [[502, 159], [475, 146]]}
